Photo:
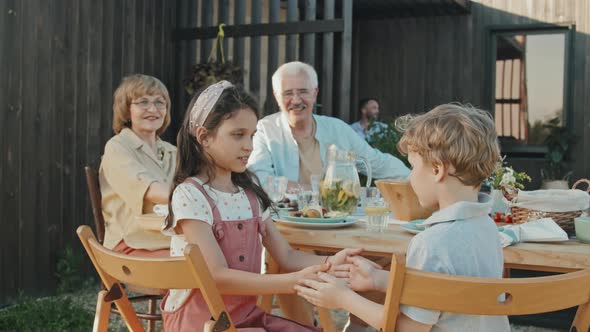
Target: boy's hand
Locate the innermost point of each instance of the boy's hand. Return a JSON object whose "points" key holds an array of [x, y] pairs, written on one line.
{"points": [[362, 273], [327, 292], [340, 257]]}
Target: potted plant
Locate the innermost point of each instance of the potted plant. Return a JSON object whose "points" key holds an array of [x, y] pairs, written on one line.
{"points": [[213, 71], [205, 74], [558, 142], [504, 177], [385, 139]]}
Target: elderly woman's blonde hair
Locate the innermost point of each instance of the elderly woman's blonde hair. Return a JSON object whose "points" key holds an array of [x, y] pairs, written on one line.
{"points": [[457, 135], [133, 87]]}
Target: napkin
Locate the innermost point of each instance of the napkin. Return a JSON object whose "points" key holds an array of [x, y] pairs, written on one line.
{"points": [[541, 230], [161, 210], [553, 200]]}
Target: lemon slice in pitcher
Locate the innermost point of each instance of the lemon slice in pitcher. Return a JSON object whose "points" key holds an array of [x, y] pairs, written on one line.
{"points": [[349, 189], [376, 210]]}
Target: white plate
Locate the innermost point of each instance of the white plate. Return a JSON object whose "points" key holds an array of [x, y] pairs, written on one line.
{"points": [[347, 222]]}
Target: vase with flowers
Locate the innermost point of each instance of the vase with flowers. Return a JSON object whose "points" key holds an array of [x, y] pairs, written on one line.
{"points": [[505, 177]]}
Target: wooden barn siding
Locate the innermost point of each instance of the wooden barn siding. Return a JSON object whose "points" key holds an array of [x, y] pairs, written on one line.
{"points": [[413, 64], [60, 63]]}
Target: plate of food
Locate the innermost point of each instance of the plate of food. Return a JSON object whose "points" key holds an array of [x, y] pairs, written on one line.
{"points": [[414, 226], [316, 215], [303, 222]]}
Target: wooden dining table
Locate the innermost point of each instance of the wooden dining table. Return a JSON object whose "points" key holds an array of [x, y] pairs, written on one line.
{"points": [[563, 256]]}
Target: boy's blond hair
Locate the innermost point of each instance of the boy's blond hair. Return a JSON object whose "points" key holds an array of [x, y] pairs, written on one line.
{"points": [[457, 135], [132, 87]]}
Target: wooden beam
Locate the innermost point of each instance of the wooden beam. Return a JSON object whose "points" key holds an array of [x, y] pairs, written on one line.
{"points": [[343, 111], [207, 20], [274, 15], [292, 16], [309, 38], [327, 78], [239, 43], [262, 29], [256, 10]]}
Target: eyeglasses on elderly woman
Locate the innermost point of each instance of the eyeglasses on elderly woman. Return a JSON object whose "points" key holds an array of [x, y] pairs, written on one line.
{"points": [[145, 104]]}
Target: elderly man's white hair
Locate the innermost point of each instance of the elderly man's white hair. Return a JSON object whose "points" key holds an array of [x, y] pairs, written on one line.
{"points": [[291, 69]]}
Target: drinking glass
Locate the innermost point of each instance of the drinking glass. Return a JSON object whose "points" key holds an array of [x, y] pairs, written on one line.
{"points": [[376, 209], [307, 198], [275, 187], [314, 180]]}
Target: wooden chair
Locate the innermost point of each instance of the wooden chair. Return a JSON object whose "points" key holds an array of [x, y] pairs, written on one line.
{"points": [[480, 296], [166, 273], [150, 295]]}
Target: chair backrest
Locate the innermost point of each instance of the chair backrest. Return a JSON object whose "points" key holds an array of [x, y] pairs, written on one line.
{"points": [[486, 296], [185, 272], [95, 201]]}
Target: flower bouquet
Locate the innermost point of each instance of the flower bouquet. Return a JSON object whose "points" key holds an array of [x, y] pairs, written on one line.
{"points": [[505, 178]]}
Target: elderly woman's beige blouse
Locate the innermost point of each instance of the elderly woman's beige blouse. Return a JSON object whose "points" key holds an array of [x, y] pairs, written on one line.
{"points": [[127, 169]]}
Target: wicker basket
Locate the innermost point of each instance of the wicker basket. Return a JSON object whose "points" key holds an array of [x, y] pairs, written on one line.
{"points": [[565, 220]]}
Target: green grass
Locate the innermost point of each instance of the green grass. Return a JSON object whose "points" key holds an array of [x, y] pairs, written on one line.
{"points": [[75, 312], [58, 313]]}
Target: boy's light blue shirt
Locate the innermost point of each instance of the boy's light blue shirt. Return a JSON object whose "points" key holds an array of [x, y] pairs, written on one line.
{"points": [[460, 239], [276, 152]]}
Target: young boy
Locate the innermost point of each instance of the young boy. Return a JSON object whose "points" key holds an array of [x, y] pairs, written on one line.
{"points": [[452, 150]]}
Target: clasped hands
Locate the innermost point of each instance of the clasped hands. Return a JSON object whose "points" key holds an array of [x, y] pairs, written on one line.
{"points": [[345, 273]]}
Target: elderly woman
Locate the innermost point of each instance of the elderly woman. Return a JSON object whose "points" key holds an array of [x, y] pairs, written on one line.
{"points": [[137, 166]]}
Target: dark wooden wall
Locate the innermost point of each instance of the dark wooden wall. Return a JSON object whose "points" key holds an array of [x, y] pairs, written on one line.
{"points": [[315, 32], [413, 64], [60, 62]]}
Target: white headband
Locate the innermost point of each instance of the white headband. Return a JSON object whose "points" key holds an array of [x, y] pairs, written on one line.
{"points": [[204, 104]]}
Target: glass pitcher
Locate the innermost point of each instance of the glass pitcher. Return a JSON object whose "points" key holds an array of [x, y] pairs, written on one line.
{"points": [[340, 188]]}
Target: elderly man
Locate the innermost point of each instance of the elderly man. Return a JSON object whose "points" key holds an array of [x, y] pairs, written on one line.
{"points": [[293, 142]]}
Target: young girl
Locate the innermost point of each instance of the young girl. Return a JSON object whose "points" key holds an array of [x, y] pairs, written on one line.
{"points": [[219, 205]]}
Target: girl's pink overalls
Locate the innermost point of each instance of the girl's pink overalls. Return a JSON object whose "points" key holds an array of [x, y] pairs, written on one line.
{"points": [[242, 248]]}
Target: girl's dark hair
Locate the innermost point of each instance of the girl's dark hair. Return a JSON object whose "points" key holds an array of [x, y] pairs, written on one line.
{"points": [[192, 160]]}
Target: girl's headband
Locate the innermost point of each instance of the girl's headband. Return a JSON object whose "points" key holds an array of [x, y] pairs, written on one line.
{"points": [[204, 104]]}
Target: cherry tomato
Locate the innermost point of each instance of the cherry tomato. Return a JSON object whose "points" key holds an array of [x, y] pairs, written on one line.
{"points": [[508, 219]]}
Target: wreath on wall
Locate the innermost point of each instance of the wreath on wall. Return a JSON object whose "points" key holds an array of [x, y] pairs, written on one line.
{"points": [[213, 71]]}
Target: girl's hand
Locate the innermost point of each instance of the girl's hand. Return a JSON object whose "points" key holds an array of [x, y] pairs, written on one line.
{"points": [[340, 257], [309, 272], [362, 274], [327, 292]]}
